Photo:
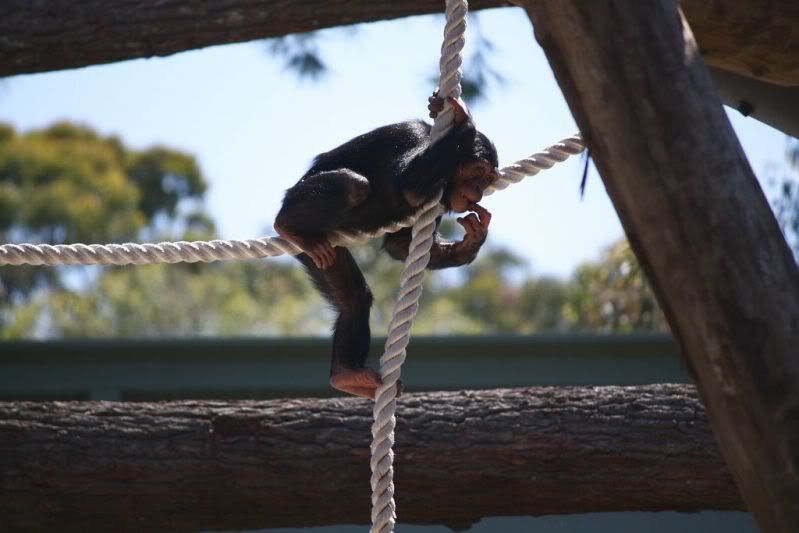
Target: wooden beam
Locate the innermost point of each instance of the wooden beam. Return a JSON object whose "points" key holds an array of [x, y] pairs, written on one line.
{"points": [[758, 39], [754, 38], [59, 34], [698, 222], [461, 456]]}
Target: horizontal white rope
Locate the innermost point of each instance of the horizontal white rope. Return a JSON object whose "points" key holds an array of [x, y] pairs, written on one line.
{"points": [[221, 250], [538, 162]]}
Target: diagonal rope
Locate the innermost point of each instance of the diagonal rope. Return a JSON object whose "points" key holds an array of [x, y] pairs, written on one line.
{"points": [[383, 506], [538, 162], [225, 250]]}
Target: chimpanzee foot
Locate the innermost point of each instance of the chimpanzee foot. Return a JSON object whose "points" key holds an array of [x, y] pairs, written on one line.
{"points": [[319, 250], [358, 382]]}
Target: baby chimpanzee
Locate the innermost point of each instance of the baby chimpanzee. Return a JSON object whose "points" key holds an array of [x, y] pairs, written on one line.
{"points": [[373, 180]]}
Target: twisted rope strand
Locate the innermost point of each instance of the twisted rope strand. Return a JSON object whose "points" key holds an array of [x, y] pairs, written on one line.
{"points": [[174, 252], [539, 161], [225, 250], [383, 506]]}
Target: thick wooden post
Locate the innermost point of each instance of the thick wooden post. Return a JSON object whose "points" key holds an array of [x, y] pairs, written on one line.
{"points": [[698, 222]]}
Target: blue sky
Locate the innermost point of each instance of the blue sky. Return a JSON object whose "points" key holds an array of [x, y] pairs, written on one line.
{"points": [[254, 127]]}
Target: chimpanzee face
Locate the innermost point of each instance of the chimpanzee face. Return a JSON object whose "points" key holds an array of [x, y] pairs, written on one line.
{"points": [[471, 181]]}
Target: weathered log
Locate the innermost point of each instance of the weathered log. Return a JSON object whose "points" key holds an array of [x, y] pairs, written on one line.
{"points": [[754, 38], [59, 34], [461, 456], [698, 222]]}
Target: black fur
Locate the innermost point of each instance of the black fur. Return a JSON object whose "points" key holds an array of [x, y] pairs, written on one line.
{"points": [[345, 288], [366, 183]]}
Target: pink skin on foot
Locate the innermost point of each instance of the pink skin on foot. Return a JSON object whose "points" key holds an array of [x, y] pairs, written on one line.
{"points": [[320, 251], [358, 382]]}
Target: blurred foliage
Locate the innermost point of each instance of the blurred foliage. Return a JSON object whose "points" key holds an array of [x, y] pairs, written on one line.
{"points": [[613, 295], [237, 298], [164, 178], [478, 75], [302, 56], [785, 197], [66, 183]]}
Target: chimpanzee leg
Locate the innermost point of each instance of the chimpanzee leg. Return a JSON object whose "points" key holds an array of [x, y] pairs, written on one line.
{"points": [[344, 286], [318, 201]]}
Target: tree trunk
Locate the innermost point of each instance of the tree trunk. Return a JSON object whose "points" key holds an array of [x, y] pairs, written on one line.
{"points": [[754, 38], [461, 456], [698, 222]]}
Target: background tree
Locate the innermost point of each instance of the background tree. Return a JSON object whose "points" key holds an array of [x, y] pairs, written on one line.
{"points": [[66, 183], [785, 199], [237, 298], [302, 55], [613, 295]]}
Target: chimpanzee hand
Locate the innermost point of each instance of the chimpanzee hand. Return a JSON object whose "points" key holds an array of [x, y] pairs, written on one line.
{"points": [[436, 106], [476, 226]]}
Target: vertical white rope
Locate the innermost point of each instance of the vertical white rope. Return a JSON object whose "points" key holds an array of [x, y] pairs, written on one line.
{"points": [[383, 506]]}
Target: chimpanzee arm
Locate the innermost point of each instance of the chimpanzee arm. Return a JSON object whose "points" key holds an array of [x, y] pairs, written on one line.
{"points": [[430, 169], [443, 253]]}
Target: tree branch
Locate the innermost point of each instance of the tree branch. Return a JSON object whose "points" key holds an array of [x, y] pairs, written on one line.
{"points": [[698, 222], [461, 456]]}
